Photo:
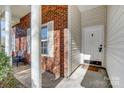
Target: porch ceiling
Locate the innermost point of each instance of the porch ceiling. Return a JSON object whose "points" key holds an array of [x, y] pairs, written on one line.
{"points": [[83, 8], [18, 11]]}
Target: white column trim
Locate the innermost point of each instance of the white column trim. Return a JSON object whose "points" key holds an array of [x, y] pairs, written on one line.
{"points": [[8, 49], [69, 41], [35, 46]]}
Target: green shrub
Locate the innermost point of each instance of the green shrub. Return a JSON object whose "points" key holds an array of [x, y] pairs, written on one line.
{"points": [[5, 67], [7, 79]]}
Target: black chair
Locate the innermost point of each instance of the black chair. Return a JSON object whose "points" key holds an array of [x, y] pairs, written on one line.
{"points": [[17, 60]]}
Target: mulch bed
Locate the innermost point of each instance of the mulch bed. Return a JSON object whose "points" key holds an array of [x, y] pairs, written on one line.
{"points": [[11, 82]]}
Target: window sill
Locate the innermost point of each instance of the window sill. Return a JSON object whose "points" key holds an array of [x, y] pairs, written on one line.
{"points": [[44, 55]]}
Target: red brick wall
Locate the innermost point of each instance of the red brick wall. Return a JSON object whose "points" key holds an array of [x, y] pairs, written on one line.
{"points": [[26, 21], [21, 42], [24, 25], [58, 14]]}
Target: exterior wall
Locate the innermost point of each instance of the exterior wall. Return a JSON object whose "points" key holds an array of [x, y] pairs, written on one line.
{"points": [[93, 17], [21, 39], [115, 45], [74, 28], [58, 14]]}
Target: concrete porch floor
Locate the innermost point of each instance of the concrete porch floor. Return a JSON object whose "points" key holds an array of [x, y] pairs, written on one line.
{"points": [[84, 77], [23, 74], [74, 81]]}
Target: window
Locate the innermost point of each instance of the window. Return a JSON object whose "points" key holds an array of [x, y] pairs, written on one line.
{"points": [[47, 39], [3, 34], [29, 40], [13, 40], [44, 40]]}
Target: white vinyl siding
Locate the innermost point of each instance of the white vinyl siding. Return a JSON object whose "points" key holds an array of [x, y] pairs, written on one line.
{"points": [[74, 28], [115, 45]]}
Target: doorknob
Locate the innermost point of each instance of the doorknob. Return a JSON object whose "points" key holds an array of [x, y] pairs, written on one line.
{"points": [[100, 48]]}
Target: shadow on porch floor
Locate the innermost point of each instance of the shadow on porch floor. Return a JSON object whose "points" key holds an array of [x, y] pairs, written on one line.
{"points": [[23, 74], [48, 80]]}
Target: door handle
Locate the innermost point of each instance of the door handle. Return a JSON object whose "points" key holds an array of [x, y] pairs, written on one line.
{"points": [[100, 48]]}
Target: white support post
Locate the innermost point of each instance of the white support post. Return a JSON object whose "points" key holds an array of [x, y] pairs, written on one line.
{"points": [[8, 31], [35, 46], [69, 41]]}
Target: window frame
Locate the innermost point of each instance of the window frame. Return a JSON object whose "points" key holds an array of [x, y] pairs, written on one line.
{"points": [[50, 27], [13, 39], [29, 40], [44, 40]]}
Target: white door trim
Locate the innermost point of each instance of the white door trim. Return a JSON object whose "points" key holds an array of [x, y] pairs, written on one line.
{"points": [[103, 41]]}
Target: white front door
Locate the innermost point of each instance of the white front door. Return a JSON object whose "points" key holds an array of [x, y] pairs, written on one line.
{"points": [[94, 43]]}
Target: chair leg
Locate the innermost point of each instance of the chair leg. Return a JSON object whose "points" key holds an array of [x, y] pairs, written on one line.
{"points": [[17, 64]]}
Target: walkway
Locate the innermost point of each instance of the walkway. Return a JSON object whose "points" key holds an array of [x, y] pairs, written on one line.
{"points": [[74, 81]]}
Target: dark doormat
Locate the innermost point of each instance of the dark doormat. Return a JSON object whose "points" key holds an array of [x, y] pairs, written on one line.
{"points": [[49, 81], [93, 68], [96, 79]]}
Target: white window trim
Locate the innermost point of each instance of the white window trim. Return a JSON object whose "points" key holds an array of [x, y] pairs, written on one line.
{"points": [[13, 40], [29, 40], [43, 25]]}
